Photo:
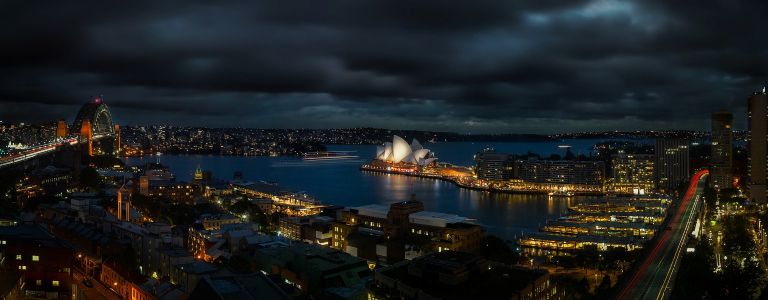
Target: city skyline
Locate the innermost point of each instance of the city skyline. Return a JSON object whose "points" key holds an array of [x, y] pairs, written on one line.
{"points": [[543, 68]]}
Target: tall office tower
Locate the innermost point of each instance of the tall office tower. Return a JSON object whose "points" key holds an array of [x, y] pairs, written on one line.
{"points": [[722, 146], [671, 162], [757, 137]]}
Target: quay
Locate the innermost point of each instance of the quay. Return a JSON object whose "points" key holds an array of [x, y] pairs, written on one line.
{"points": [[464, 183]]}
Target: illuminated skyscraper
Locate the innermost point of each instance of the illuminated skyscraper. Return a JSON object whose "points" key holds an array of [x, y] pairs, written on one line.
{"points": [[757, 137], [722, 146], [671, 162]]}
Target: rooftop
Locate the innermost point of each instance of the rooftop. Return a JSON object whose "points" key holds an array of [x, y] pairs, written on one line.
{"points": [[238, 287]]}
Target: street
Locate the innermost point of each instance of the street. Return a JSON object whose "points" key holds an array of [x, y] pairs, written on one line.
{"points": [[656, 274], [97, 292]]}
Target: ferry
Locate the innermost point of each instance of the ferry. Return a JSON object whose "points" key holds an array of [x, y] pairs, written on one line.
{"points": [[329, 155], [562, 193]]}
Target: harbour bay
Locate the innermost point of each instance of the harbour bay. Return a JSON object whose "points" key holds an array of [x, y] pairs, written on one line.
{"points": [[340, 182]]}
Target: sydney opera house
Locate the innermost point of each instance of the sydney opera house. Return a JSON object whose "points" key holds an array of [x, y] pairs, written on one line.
{"points": [[399, 151]]}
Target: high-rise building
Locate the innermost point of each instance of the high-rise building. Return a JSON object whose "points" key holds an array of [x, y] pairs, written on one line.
{"points": [[722, 146], [672, 159], [757, 137], [633, 173], [495, 166]]}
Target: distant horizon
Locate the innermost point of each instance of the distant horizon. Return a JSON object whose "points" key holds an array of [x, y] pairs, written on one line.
{"points": [[506, 66]]}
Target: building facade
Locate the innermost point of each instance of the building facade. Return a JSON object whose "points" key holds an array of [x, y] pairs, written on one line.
{"points": [[463, 275], [633, 173], [722, 148], [757, 139], [565, 172], [47, 261], [672, 160], [381, 233], [495, 166]]}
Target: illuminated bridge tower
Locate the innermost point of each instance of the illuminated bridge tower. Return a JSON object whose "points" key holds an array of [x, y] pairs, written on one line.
{"points": [[86, 136], [117, 138], [61, 130]]}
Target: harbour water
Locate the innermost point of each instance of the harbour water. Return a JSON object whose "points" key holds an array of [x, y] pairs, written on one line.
{"points": [[340, 182]]}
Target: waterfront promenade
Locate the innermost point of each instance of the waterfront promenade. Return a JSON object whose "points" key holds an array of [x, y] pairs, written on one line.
{"points": [[467, 181]]}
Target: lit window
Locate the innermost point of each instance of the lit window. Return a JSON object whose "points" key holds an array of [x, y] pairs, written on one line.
{"points": [[39, 282], [18, 256], [35, 258], [55, 283]]}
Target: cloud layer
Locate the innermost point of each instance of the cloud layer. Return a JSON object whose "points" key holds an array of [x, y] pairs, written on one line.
{"points": [[464, 66]]}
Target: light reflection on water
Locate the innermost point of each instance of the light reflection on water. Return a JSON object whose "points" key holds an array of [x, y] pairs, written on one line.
{"points": [[341, 182]]}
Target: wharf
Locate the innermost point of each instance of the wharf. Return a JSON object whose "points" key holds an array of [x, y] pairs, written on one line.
{"points": [[458, 182]]}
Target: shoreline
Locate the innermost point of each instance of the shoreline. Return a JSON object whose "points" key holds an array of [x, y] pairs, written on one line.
{"points": [[457, 183]]}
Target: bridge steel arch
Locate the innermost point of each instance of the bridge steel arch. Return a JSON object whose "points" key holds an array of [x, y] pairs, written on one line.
{"points": [[97, 113]]}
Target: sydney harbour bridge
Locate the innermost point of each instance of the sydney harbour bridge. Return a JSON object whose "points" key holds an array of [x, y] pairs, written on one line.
{"points": [[92, 123]]}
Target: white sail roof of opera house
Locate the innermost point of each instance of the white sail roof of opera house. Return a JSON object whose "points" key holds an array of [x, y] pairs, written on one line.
{"points": [[400, 151]]}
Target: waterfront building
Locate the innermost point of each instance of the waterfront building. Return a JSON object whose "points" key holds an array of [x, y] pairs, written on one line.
{"points": [[46, 260], [608, 205], [381, 233], [463, 275], [600, 228], [757, 139], [625, 217], [633, 173], [722, 146], [495, 166], [672, 160], [547, 243], [574, 174]]}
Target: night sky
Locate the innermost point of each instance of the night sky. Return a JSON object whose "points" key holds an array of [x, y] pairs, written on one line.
{"points": [[549, 66]]}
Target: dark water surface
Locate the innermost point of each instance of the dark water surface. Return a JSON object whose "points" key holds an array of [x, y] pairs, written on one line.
{"points": [[340, 182]]}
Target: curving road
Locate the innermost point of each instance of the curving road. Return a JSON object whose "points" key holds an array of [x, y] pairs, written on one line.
{"points": [[33, 152], [655, 276]]}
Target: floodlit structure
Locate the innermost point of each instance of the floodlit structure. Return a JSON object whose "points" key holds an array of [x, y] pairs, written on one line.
{"points": [[400, 151]]}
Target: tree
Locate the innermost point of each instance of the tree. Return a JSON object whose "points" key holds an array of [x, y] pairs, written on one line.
{"points": [[419, 243], [603, 290], [32, 203], [496, 249], [150, 207], [90, 179], [181, 214], [554, 157]]}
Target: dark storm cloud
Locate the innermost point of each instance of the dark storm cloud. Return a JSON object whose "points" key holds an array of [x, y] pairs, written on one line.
{"points": [[467, 66]]}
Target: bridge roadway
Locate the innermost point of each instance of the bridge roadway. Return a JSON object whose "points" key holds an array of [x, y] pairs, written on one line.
{"points": [[655, 276], [34, 152]]}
